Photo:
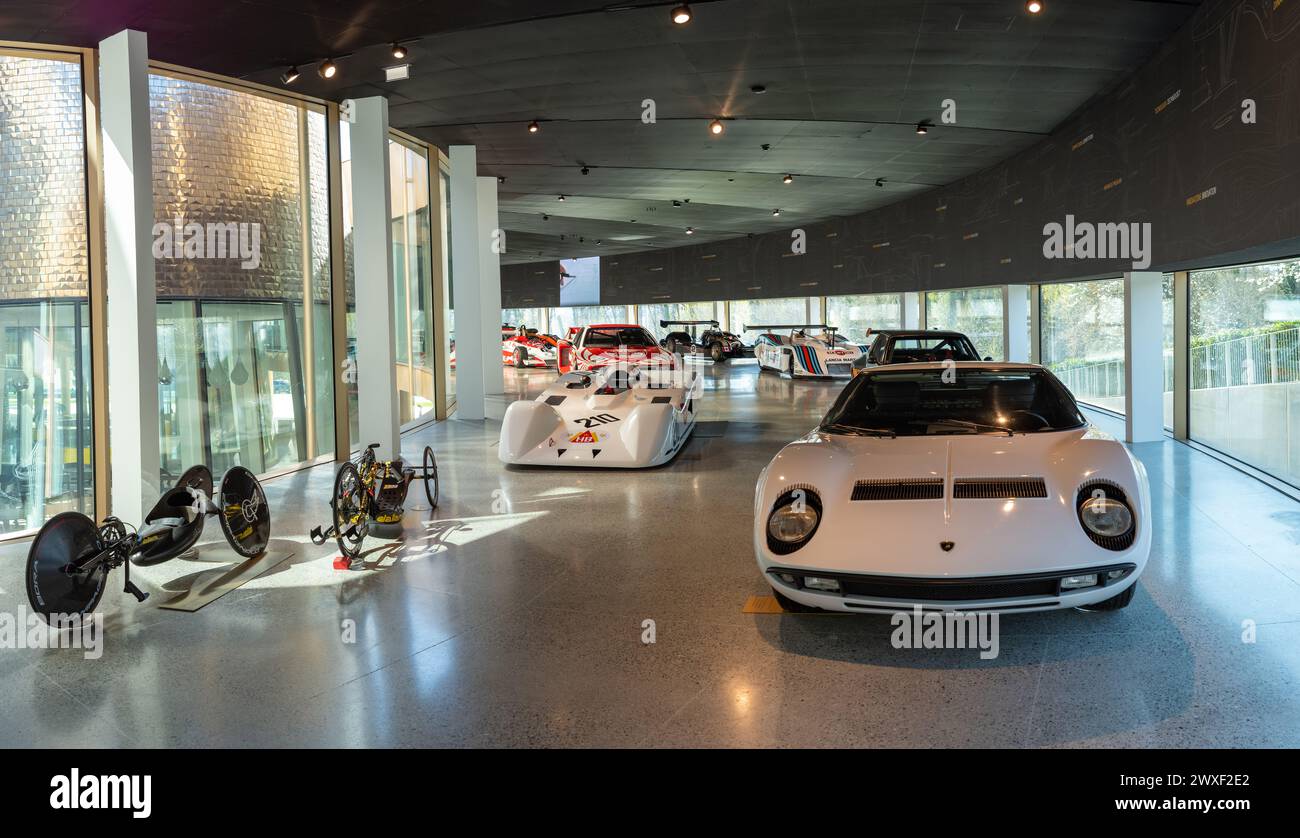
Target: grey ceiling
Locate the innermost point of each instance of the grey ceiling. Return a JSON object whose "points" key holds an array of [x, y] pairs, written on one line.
{"points": [[846, 82]]}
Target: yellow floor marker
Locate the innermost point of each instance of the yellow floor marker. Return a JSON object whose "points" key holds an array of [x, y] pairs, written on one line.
{"points": [[762, 605]]}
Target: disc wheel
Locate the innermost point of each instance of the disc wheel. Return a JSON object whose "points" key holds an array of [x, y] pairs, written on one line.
{"points": [[717, 353], [431, 477], [65, 538], [245, 517], [521, 357], [349, 509]]}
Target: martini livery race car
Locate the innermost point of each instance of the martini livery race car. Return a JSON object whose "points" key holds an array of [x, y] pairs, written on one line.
{"points": [[800, 354], [711, 342], [610, 417], [621, 344], [984, 492], [523, 347]]}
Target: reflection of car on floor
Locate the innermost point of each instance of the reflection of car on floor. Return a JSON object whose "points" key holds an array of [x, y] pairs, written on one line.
{"points": [[712, 342], [910, 346], [984, 492], [624, 344], [801, 354], [524, 347], [608, 417]]}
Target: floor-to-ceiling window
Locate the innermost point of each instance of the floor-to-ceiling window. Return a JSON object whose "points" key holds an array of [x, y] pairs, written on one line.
{"points": [[566, 317], [45, 386], [449, 300], [246, 358], [412, 279], [854, 314], [1082, 334], [776, 311], [977, 312], [1244, 364], [650, 315], [532, 318], [1167, 330]]}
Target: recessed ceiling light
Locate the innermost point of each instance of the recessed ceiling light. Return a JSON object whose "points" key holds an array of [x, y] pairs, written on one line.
{"points": [[682, 15], [328, 69], [561, 198], [533, 127], [399, 51], [690, 231], [775, 213], [788, 179], [1034, 6], [290, 75], [398, 72], [677, 203], [758, 88], [923, 127], [716, 127]]}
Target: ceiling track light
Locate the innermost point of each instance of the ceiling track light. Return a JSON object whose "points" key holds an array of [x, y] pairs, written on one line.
{"points": [[561, 198], [681, 15], [776, 213], [923, 127], [880, 182], [586, 171], [788, 179], [328, 69], [716, 127], [677, 203], [690, 231], [533, 127], [290, 75], [399, 51], [1034, 6]]}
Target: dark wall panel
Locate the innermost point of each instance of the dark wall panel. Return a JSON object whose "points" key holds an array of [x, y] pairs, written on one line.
{"points": [[1168, 147], [530, 285]]}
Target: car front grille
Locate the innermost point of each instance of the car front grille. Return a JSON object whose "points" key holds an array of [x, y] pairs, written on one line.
{"points": [[949, 592], [901, 488], [999, 487]]}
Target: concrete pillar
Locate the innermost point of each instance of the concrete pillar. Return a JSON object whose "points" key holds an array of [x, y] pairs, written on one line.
{"points": [[1035, 324], [467, 253], [372, 248], [132, 293], [913, 309], [1143, 357], [1015, 322], [1182, 352], [489, 294]]}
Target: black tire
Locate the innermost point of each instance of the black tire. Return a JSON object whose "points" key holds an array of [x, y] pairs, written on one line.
{"points": [[717, 353], [349, 506], [64, 538], [1115, 603], [521, 357], [789, 367], [245, 516], [431, 477], [792, 606], [672, 348]]}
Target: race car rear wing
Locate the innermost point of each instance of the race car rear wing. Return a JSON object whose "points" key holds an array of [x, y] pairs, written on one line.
{"points": [[666, 323], [772, 328]]}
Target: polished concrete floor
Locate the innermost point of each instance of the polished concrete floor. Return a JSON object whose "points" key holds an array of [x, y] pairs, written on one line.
{"points": [[514, 617]]}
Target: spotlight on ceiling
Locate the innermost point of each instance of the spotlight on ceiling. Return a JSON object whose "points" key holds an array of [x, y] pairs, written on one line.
{"points": [[289, 76], [501, 178], [880, 182], [546, 217], [690, 231], [716, 127], [327, 69], [758, 88], [776, 213], [561, 198], [788, 179], [533, 127], [923, 127], [586, 171], [682, 15], [1034, 6], [399, 51]]}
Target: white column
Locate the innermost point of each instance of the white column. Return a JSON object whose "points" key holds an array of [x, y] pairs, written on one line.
{"points": [[372, 249], [132, 293], [1035, 324], [913, 310], [1143, 357], [1182, 356], [1015, 322], [467, 252], [489, 288]]}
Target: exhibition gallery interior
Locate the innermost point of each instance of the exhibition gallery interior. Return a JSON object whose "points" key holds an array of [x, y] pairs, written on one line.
{"points": [[726, 374]]}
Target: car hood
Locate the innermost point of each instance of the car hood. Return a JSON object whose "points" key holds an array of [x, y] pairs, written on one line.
{"points": [[990, 535]]}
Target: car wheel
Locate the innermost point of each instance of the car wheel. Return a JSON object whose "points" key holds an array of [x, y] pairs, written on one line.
{"points": [[716, 353], [1115, 603], [791, 606], [521, 357]]}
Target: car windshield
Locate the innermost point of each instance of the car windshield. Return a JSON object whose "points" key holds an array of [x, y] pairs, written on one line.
{"points": [[931, 349], [629, 336], [952, 400]]}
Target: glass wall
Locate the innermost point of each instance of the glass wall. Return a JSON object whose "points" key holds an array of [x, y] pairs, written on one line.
{"points": [[562, 319], [245, 346], [1167, 323], [533, 318], [1082, 333], [854, 314], [449, 302], [45, 386], [780, 310], [412, 280], [650, 315], [1244, 331], [975, 311]]}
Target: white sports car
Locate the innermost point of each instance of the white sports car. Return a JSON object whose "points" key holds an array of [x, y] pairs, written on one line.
{"points": [[972, 487], [800, 354], [608, 417]]}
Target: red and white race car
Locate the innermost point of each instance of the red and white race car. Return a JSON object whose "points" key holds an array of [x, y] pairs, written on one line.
{"points": [[606, 344], [524, 347]]}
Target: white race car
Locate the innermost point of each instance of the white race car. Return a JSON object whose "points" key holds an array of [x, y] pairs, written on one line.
{"points": [[608, 417], [970, 487], [800, 354]]}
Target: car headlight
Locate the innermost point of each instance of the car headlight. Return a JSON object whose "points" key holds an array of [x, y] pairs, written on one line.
{"points": [[793, 520], [1106, 516]]}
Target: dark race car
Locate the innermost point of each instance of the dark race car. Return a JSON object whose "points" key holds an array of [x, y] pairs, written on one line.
{"points": [[916, 346], [712, 342]]}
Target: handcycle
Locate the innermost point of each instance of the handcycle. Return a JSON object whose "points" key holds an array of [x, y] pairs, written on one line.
{"points": [[70, 558], [367, 492]]}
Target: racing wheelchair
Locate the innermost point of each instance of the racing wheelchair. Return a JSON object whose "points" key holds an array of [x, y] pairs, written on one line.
{"points": [[70, 558], [370, 492]]}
